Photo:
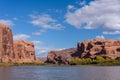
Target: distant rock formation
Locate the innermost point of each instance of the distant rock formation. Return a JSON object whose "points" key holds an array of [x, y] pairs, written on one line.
{"points": [[6, 44], [17, 51], [24, 51], [87, 49], [41, 59], [63, 56]]}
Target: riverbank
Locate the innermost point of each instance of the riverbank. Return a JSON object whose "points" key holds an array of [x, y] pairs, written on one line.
{"points": [[95, 63], [31, 64], [99, 61]]}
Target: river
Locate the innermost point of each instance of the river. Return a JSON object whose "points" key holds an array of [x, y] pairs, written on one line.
{"points": [[60, 73]]}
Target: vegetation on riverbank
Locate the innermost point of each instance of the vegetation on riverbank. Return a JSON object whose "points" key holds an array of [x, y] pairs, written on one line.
{"points": [[98, 61], [24, 64], [30, 64]]}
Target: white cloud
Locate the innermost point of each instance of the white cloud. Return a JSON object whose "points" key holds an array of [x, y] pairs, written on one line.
{"points": [[39, 32], [42, 51], [15, 18], [36, 42], [104, 14], [70, 7], [7, 22], [100, 37], [45, 22], [21, 37], [82, 3], [114, 32]]}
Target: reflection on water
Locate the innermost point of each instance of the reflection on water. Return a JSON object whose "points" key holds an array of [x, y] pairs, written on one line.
{"points": [[5, 73], [59, 73]]}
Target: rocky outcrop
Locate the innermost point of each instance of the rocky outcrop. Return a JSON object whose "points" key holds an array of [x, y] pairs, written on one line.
{"points": [[63, 56], [99, 47], [87, 49], [24, 51], [6, 44], [17, 51], [41, 59]]}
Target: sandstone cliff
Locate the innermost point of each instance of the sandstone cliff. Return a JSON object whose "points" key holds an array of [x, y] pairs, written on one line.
{"points": [[6, 44], [87, 49], [17, 51], [24, 51], [41, 59], [99, 47]]}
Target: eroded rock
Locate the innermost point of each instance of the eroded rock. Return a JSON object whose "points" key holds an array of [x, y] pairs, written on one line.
{"points": [[17, 51], [6, 44], [87, 49], [63, 56], [101, 47], [24, 51]]}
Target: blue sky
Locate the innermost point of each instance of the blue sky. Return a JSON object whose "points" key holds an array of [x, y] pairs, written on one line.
{"points": [[60, 24]]}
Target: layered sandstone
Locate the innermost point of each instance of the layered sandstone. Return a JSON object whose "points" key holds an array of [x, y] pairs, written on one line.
{"points": [[101, 47], [24, 51], [17, 51], [6, 44], [87, 49], [41, 59], [63, 56]]}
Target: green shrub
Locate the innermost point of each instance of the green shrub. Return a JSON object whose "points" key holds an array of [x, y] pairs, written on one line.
{"points": [[86, 61], [78, 61], [100, 58], [75, 61]]}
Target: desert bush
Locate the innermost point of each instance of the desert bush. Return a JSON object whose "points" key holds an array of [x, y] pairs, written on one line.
{"points": [[75, 61]]}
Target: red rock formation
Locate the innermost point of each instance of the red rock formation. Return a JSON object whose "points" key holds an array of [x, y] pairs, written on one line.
{"points": [[87, 49], [41, 59], [24, 51], [19, 51], [6, 44], [101, 47], [63, 56]]}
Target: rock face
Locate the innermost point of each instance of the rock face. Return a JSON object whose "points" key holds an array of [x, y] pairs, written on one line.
{"points": [[99, 47], [41, 59], [24, 51], [6, 44], [87, 49], [63, 56], [17, 51]]}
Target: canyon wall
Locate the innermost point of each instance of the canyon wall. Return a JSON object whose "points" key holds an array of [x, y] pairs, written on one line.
{"points": [[99, 47], [6, 44], [87, 49], [14, 51], [24, 51]]}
